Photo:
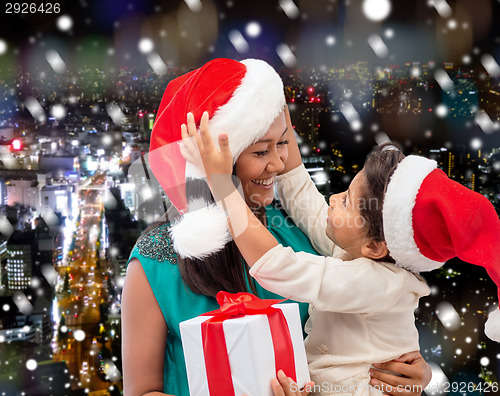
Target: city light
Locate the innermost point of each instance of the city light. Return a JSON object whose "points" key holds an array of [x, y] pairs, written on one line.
{"points": [[17, 145]]}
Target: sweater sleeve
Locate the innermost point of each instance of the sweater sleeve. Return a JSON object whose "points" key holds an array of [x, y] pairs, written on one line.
{"points": [[330, 284], [306, 206]]}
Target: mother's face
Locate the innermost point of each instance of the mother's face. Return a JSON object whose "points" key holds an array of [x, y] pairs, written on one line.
{"points": [[259, 164]]}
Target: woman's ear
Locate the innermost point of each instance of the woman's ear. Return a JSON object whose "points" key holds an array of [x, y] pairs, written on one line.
{"points": [[374, 250]]}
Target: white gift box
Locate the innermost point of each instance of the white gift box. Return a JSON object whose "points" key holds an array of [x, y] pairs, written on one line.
{"points": [[250, 349]]}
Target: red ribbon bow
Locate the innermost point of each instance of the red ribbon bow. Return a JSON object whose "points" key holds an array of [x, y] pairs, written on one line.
{"points": [[214, 343]]}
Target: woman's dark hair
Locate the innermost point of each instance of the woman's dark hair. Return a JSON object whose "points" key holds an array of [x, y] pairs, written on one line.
{"points": [[378, 170], [225, 270]]}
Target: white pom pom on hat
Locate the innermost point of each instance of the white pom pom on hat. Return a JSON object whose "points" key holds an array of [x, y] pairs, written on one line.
{"points": [[492, 326], [209, 225]]}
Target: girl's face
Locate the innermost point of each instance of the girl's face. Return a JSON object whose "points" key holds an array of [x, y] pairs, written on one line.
{"points": [[259, 164], [345, 225]]}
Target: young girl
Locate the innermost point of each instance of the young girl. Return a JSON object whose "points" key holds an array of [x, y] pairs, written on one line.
{"points": [[362, 297]]}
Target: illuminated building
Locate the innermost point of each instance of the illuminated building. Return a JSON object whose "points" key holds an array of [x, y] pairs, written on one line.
{"points": [[57, 198], [24, 192], [20, 260]]}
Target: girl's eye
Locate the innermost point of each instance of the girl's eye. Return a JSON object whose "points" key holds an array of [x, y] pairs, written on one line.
{"points": [[260, 153], [283, 142], [344, 201]]}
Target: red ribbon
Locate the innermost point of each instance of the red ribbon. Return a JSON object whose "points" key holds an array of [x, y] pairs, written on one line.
{"points": [[214, 343]]}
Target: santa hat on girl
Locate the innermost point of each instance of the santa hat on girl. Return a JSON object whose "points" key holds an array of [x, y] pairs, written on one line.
{"points": [[429, 219], [242, 100]]}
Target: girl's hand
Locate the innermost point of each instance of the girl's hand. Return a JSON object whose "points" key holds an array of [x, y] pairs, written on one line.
{"points": [[285, 386], [189, 148], [216, 161], [416, 375]]}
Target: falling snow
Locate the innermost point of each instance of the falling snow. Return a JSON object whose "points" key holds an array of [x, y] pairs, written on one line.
{"points": [[378, 45], [376, 10], [286, 55], [253, 29], [55, 61], [64, 23], [3, 47], [289, 8], [238, 41]]}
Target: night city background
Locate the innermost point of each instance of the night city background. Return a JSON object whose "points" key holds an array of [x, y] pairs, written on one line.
{"points": [[80, 82]]}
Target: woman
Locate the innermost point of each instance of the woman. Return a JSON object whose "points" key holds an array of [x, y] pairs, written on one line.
{"points": [[175, 271]]}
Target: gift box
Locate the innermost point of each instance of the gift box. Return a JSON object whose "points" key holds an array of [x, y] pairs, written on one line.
{"points": [[238, 349]]}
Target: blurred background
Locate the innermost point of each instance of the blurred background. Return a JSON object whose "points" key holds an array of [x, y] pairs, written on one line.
{"points": [[80, 82]]}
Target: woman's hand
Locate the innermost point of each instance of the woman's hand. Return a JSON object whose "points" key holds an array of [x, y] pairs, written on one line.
{"points": [[285, 386], [416, 375], [196, 146]]}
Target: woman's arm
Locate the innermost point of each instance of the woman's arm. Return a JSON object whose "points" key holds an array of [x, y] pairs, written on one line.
{"points": [[144, 335], [306, 206], [300, 198], [415, 375]]}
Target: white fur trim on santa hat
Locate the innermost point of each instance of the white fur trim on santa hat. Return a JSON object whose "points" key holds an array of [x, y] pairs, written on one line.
{"points": [[492, 326], [397, 214], [200, 232], [247, 116]]}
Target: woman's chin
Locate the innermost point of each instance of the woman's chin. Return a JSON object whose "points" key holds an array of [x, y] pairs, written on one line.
{"points": [[259, 200]]}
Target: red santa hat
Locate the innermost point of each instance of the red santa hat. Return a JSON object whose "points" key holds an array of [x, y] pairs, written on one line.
{"points": [[429, 219], [242, 99]]}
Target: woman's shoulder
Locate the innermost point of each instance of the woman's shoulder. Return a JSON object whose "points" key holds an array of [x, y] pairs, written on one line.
{"points": [[156, 245]]}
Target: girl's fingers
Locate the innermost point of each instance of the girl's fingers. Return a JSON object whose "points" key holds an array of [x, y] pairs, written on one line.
{"points": [[188, 144], [185, 153], [184, 132], [204, 122], [224, 144], [206, 139], [191, 124]]}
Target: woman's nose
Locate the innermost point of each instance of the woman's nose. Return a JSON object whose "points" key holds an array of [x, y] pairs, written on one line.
{"points": [[275, 164]]}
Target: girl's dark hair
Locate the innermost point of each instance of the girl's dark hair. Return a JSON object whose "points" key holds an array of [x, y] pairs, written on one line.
{"points": [[225, 270], [378, 170]]}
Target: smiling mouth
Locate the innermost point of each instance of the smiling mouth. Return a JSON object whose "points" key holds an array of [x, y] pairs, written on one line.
{"points": [[264, 182]]}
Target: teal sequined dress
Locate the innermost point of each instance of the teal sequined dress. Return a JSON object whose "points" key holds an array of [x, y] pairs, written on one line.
{"points": [[178, 303]]}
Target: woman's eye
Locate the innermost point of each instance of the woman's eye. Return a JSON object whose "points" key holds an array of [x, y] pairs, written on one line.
{"points": [[344, 201], [283, 142], [260, 153]]}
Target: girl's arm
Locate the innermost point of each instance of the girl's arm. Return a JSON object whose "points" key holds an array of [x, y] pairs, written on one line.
{"points": [[251, 237], [144, 335], [334, 285]]}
